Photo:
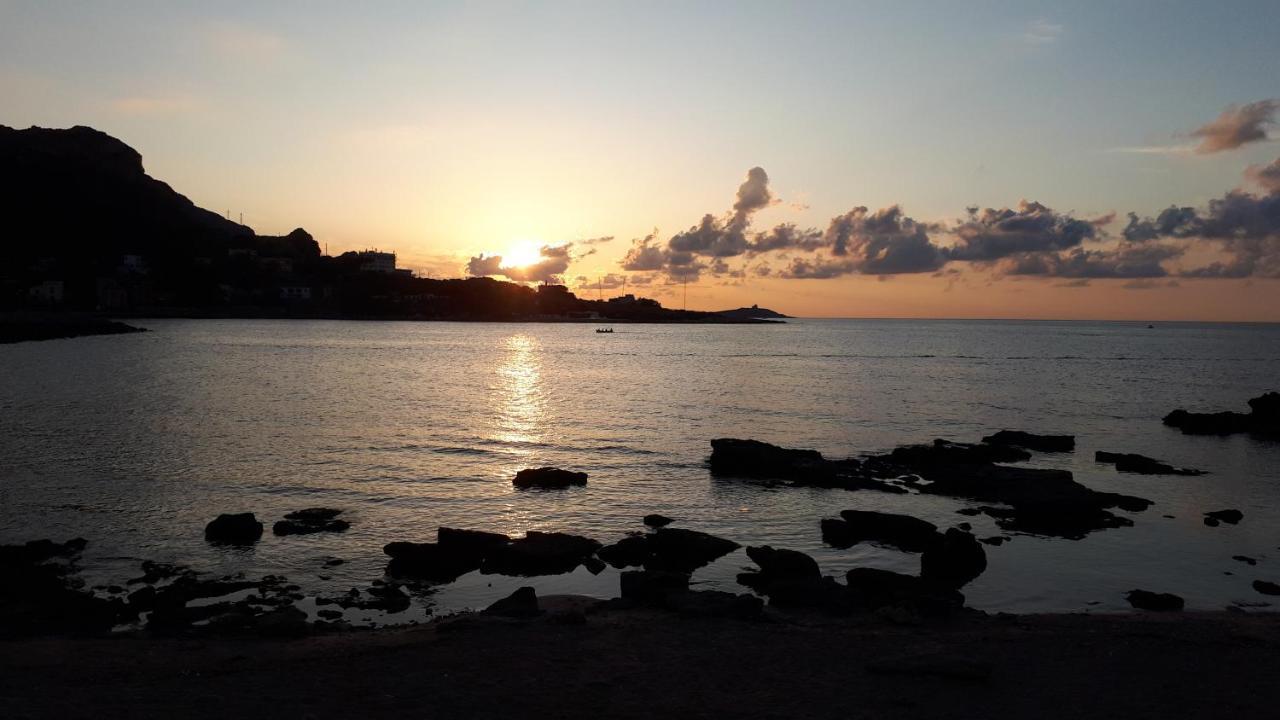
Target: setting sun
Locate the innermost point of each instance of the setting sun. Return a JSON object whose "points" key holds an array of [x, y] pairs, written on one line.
{"points": [[522, 254]]}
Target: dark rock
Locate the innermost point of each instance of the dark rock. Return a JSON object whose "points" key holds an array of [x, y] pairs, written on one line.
{"points": [[1245, 559], [783, 564], [953, 559], [523, 603], [1219, 423], [233, 529], [548, 477], [313, 515], [307, 527], [787, 577], [969, 511], [1146, 600], [1231, 517], [656, 521], [539, 553], [1042, 502], [474, 543], [330, 614], [650, 587], [997, 540], [873, 588], [752, 458], [429, 561], [1032, 441], [1211, 522], [683, 550], [1141, 464], [946, 454], [41, 593], [594, 565], [630, 551], [1263, 418], [901, 531], [1266, 588]]}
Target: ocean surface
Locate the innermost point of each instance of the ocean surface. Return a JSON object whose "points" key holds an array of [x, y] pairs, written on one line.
{"points": [[136, 441]]}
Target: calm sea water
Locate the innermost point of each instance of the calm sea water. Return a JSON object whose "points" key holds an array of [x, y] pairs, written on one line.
{"points": [[135, 442]]}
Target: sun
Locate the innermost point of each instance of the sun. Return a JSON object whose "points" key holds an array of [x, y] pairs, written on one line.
{"points": [[522, 253]]}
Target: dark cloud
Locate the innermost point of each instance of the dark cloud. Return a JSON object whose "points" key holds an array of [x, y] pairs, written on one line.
{"points": [[1237, 125], [718, 238], [1171, 222], [596, 240], [645, 255], [991, 234], [1244, 226], [818, 268], [885, 242], [1266, 177], [786, 236], [481, 266], [1144, 260]]}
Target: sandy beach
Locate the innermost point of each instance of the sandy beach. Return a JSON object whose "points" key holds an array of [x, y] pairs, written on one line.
{"points": [[644, 664]]}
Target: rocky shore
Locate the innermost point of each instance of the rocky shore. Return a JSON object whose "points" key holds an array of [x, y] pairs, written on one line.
{"points": [[28, 326]]}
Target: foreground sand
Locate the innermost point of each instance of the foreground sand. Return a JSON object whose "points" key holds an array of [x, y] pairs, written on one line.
{"points": [[642, 664]]}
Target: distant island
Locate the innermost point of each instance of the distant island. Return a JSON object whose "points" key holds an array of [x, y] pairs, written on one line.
{"points": [[88, 231]]}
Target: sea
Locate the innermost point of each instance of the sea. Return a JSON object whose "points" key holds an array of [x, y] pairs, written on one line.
{"points": [[135, 442]]}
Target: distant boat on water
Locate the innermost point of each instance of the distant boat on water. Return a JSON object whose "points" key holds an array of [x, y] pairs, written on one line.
{"points": [[604, 330]]}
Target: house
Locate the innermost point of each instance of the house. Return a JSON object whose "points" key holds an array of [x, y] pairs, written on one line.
{"points": [[49, 292], [295, 292]]}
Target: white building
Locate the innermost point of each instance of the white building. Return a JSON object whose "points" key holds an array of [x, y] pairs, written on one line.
{"points": [[49, 292], [375, 261]]}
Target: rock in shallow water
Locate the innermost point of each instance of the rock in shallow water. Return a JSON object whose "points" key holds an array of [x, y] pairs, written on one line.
{"points": [[548, 477], [1141, 464], [1160, 602], [523, 603], [310, 520], [901, 531], [1266, 588], [1032, 441], [233, 529]]}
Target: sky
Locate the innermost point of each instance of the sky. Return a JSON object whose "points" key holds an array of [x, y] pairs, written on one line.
{"points": [[874, 159]]}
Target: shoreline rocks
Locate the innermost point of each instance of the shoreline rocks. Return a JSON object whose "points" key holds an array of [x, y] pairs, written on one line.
{"points": [[1263, 418], [1141, 464], [1230, 516], [1032, 441]]}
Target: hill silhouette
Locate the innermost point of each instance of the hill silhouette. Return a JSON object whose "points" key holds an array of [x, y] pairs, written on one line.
{"points": [[87, 229]]}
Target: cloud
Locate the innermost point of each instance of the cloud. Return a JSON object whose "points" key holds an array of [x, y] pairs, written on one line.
{"points": [[481, 266], [1126, 261], [1042, 32], [885, 242], [991, 234], [554, 262], [1244, 226], [786, 236], [1237, 125], [718, 238], [1266, 177], [818, 268], [645, 255], [595, 240]]}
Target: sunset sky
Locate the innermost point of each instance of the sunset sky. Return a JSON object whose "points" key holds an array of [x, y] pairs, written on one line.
{"points": [[756, 151]]}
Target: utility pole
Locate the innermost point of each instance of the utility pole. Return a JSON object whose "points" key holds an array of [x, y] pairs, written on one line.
{"points": [[686, 294]]}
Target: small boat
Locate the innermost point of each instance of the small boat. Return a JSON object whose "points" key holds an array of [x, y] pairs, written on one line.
{"points": [[604, 330]]}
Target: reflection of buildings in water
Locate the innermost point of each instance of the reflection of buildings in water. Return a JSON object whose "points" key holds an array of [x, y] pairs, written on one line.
{"points": [[519, 402]]}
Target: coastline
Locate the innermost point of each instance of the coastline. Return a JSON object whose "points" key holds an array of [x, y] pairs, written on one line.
{"points": [[642, 663]]}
